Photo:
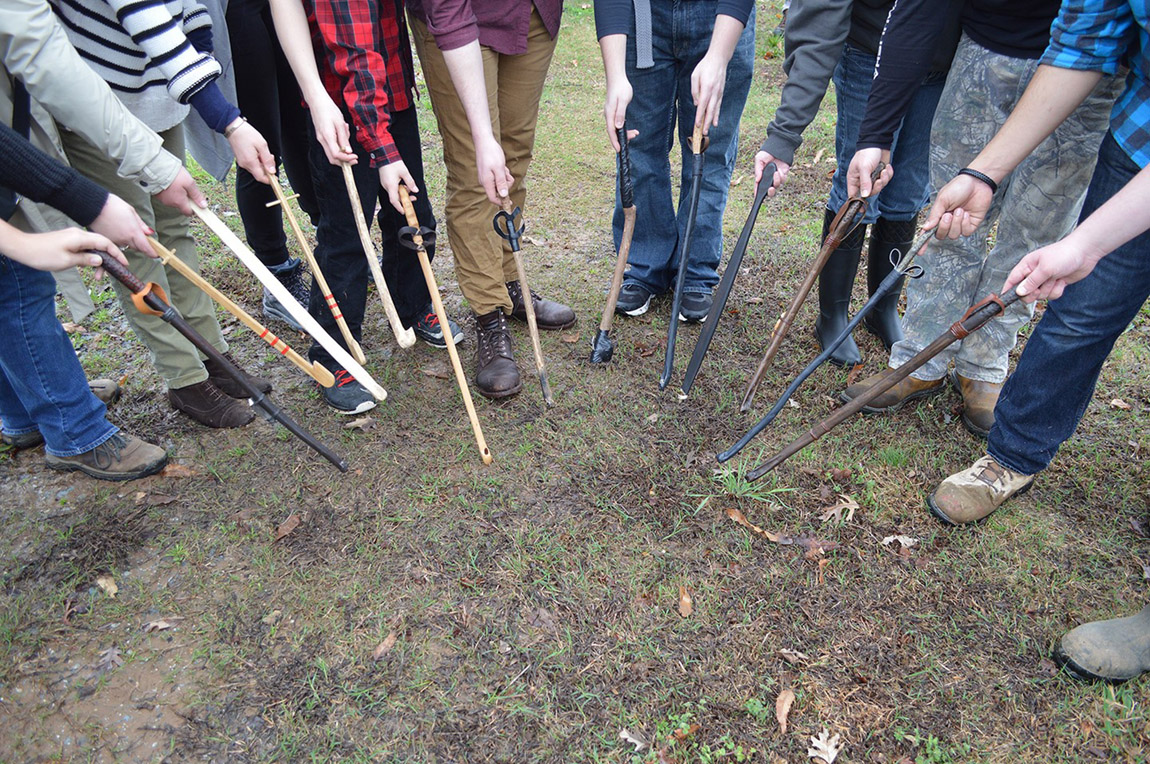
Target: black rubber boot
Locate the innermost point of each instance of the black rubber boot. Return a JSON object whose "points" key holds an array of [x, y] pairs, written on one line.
{"points": [[835, 284], [886, 236]]}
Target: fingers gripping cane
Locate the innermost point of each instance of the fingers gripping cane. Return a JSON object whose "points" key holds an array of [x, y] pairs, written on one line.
{"points": [[312, 368], [511, 229], [415, 236], [320, 281], [603, 347], [150, 299], [405, 337]]}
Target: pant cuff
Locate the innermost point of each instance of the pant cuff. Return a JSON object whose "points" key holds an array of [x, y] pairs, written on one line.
{"points": [[186, 380], [103, 438]]}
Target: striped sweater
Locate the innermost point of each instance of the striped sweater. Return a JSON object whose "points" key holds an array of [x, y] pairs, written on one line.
{"points": [[142, 49]]}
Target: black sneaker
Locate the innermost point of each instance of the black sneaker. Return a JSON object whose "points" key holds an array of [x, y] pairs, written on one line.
{"points": [[694, 307], [634, 299], [427, 328], [347, 396], [292, 275]]}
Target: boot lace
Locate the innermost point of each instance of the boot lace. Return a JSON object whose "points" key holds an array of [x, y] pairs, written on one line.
{"points": [[108, 453], [494, 340], [297, 286]]}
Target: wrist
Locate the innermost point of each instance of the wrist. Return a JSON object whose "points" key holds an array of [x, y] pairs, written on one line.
{"points": [[235, 125], [980, 176]]}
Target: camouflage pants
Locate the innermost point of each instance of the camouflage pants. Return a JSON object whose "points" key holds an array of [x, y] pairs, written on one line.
{"points": [[1036, 205]]}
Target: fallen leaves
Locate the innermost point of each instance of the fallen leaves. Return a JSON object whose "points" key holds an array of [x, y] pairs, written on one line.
{"points": [[439, 370], [629, 737], [683, 733], [162, 624], [843, 511], [686, 604], [812, 546], [905, 542], [1120, 404], [384, 647], [174, 470], [824, 747], [287, 526], [569, 339], [108, 584], [741, 519], [109, 659], [153, 499], [783, 705], [794, 657], [363, 423]]}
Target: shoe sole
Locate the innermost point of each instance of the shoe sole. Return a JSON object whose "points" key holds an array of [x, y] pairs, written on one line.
{"points": [[285, 318], [1067, 664], [501, 394], [367, 405], [897, 406], [115, 477], [691, 320], [549, 327], [440, 342], [634, 311], [934, 510]]}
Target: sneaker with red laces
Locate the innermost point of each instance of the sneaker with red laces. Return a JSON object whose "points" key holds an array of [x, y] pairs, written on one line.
{"points": [[427, 328], [347, 396]]}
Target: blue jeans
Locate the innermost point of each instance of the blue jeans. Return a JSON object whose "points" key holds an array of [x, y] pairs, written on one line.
{"points": [[681, 31], [1042, 403], [909, 189], [42, 386]]}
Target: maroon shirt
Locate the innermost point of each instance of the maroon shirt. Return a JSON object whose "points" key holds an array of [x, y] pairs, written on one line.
{"points": [[501, 25]]}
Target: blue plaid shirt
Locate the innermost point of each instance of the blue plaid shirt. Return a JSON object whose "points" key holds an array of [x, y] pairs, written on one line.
{"points": [[1101, 35]]}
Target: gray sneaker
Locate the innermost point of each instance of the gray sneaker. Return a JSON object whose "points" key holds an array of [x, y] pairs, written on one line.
{"points": [[294, 278]]}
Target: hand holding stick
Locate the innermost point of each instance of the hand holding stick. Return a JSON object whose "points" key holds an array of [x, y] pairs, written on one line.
{"points": [[320, 281], [405, 337], [413, 237]]}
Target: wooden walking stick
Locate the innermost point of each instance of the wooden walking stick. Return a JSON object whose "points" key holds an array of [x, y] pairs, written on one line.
{"points": [[413, 237], [320, 281], [312, 368], [511, 230], [405, 337], [280, 292], [847, 219], [602, 346]]}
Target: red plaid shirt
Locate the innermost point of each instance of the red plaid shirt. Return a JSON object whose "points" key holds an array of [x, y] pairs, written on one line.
{"points": [[364, 58]]}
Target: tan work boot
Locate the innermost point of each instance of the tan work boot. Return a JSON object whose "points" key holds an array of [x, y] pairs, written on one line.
{"points": [[892, 400], [107, 390], [1111, 651], [120, 457], [970, 495], [979, 399]]}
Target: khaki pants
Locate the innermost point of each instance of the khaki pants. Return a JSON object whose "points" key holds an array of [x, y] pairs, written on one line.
{"points": [[483, 261], [175, 359]]}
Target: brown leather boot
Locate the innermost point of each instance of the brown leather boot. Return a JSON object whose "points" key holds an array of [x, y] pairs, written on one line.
{"points": [[496, 373], [208, 405], [548, 313], [980, 399], [892, 400], [120, 457], [224, 381]]}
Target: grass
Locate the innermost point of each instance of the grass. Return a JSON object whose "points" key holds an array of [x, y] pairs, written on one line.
{"points": [[428, 608]]}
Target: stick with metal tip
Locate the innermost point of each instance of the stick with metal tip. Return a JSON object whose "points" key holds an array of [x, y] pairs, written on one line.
{"points": [[312, 368], [698, 146], [413, 237], [150, 299], [320, 281], [405, 337], [512, 233], [291, 304], [603, 347]]}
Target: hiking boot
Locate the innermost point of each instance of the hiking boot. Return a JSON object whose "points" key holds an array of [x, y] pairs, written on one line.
{"points": [[209, 406], [427, 328], [887, 237], [107, 390], [23, 440], [292, 275], [971, 495], [836, 281], [496, 373], [347, 396], [548, 313], [694, 307], [634, 299], [1110, 651], [903, 392], [227, 384], [980, 399], [120, 457]]}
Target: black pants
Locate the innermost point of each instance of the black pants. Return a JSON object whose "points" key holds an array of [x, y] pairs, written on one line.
{"points": [[338, 249], [270, 99]]}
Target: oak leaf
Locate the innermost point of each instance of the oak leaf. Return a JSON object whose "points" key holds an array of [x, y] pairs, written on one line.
{"points": [[843, 510], [108, 584], [824, 747], [629, 737], [162, 624], [783, 705]]}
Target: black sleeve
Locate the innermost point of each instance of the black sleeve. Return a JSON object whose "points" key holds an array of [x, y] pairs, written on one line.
{"points": [[736, 9], [913, 31], [30, 172], [612, 17]]}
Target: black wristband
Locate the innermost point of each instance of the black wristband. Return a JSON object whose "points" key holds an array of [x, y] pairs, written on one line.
{"points": [[980, 176]]}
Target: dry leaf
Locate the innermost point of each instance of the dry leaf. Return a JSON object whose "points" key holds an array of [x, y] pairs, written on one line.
{"points": [[794, 657], [843, 511], [286, 527], [738, 517], [363, 423], [174, 470], [842, 476], [384, 647], [154, 499], [570, 339], [109, 659], [903, 541], [438, 370], [1118, 403], [162, 624], [818, 156], [853, 374], [533, 240], [783, 705], [652, 418], [825, 748], [629, 737], [682, 734], [108, 584], [686, 604], [72, 328]]}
